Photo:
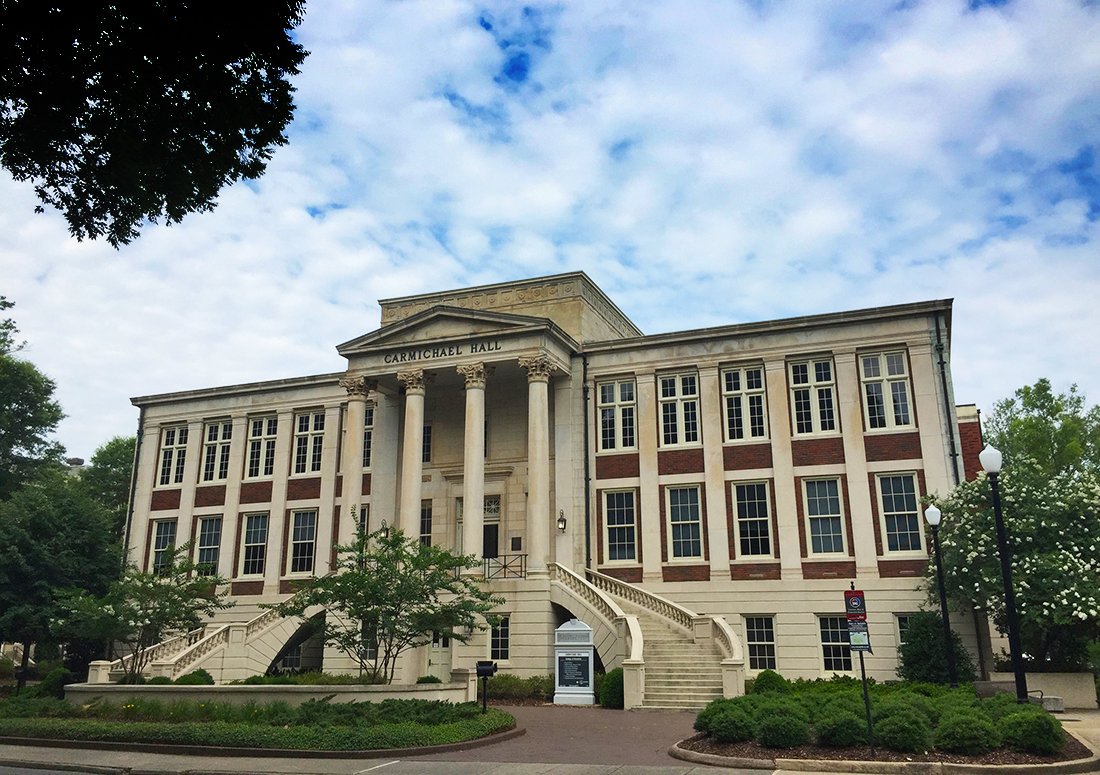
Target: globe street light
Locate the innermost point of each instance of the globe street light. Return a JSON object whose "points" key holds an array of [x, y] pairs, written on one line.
{"points": [[933, 516], [991, 460]]}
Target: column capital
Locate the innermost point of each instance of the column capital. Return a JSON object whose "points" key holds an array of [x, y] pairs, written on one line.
{"points": [[475, 374], [358, 386], [412, 380], [538, 368]]}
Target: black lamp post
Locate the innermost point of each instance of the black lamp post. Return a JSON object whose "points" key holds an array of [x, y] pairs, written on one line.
{"points": [[991, 460], [933, 516]]}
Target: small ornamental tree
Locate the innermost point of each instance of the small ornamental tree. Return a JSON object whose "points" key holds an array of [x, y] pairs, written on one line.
{"points": [[388, 594], [141, 609]]}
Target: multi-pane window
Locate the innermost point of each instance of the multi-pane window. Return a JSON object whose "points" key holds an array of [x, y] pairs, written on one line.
{"points": [[254, 544], [901, 513], [368, 435], [760, 638], [173, 454], [309, 442], [743, 394], [426, 445], [303, 541], [617, 406], [208, 545], [621, 520], [835, 651], [426, 523], [823, 513], [753, 522], [679, 407], [885, 380], [903, 627], [685, 522], [164, 545], [498, 640], [215, 451], [292, 660], [813, 399], [261, 446]]}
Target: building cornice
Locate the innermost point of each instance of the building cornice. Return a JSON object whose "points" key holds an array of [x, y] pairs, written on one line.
{"points": [[243, 389]]}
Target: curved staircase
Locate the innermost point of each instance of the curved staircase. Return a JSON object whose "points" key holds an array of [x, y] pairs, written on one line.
{"points": [[680, 674]]}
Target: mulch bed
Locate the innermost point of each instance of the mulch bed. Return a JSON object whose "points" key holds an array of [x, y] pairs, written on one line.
{"points": [[1073, 749]]}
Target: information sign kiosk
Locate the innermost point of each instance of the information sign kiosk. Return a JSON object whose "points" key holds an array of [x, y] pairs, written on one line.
{"points": [[573, 652]]}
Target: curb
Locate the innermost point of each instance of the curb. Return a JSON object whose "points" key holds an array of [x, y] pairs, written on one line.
{"points": [[1091, 764]]}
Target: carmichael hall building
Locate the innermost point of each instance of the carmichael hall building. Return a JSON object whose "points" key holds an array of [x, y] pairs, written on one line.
{"points": [[700, 499]]}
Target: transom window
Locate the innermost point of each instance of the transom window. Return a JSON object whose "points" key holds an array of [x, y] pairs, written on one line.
{"points": [[261, 446], [901, 513], [744, 405], [836, 652], [498, 639], [173, 454], [885, 380], [255, 545], [368, 435], [164, 545], [208, 545], [824, 515], [621, 522], [813, 396], [679, 405], [303, 541], [215, 451], [617, 407], [753, 521], [309, 442], [685, 522], [760, 638]]}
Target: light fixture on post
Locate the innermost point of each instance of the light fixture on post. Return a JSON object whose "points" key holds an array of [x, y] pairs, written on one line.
{"points": [[385, 529], [561, 520], [933, 515], [991, 460]]}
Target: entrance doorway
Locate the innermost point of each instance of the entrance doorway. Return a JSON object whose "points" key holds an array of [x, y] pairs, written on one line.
{"points": [[439, 657]]}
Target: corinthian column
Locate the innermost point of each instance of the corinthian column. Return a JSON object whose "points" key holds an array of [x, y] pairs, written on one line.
{"points": [[538, 463], [351, 464], [473, 461], [412, 451]]}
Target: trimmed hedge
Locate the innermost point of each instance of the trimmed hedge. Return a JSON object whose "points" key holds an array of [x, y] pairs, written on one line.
{"points": [[970, 733], [611, 692], [906, 731], [1031, 732], [782, 731]]}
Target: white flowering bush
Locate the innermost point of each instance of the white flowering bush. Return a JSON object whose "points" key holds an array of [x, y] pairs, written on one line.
{"points": [[1053, 524]]}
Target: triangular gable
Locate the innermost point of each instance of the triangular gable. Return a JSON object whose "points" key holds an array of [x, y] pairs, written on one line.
{"points": [[439, 323]]}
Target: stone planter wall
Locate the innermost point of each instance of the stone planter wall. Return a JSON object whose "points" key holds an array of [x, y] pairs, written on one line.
{"points": [[1077, 690]]}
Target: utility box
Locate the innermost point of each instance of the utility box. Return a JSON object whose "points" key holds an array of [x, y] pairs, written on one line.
{"points": [[573, 664]]}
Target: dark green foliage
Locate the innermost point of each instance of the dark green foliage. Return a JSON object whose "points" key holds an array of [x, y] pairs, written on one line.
{"points": [[107, 479], [780, 705], [506, 686], [782, 731], [707, 714], [770, 682], [1002, 704], [53, 685], [159, 680], [923, 657], [841, 729], [611, 694], [907, 732], [196, 678], [905, 702], [970, 733], [429, 679], [126, 112], [7, 668], [732, 724], [1038, 733]]}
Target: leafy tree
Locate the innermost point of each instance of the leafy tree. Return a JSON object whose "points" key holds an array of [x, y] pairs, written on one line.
{"points": [[1057, 431], [142, 609], [923, 658], [53, 539], [107, 479], [123, 111], [28, 414], [388, 594]]}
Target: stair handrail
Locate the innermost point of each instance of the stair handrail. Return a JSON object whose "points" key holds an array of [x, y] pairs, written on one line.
{"points": [[590, 593], [199, 649], [164, 650], [655, 604], [726, 638]]}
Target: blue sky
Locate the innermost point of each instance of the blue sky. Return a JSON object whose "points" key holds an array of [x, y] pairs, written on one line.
{"points": [[705, 162]]}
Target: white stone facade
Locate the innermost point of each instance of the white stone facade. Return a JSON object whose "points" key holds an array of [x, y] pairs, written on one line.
{"points": [[750, 472]]}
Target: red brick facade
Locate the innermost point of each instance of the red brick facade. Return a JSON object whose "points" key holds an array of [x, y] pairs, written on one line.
{"points": [[741, 457], [892, 569], [629, 575], [829, 570], [892, 446], [680, 461], [256, 492], [752, 571], [685, 573], [617, 466], [303, 489], [163, 500], [970, 434], [210, 496], [817, 452]]}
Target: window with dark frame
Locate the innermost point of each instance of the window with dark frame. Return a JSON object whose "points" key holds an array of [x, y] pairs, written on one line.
{"points": [[678, 397], [368, 435], [215, 451], [744, 403], [823, 512], [753, 519], [685, 522], [173, 455], [309, 442], [621, 522], [498, 640], [208, 545], [760, 638], [885, 378], [426, 523], [254, 545], [835, 649], [813, 386], [617, 407], [164, 545], [901, 513], [262, 433], [303, 541]]}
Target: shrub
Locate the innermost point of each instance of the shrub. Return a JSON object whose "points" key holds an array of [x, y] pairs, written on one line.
{"points": [[1039, 733], [53, 685], [7, 669], [782, 731], [968, 733], [770, 682], [1003, 704], [841, 729], [732, 724], [778, 705], [506, 686], [429, 679], [159, 680], [906, 732], [611, 695], [196, 678], [922, 657], [900, 702], [703, 721]]}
